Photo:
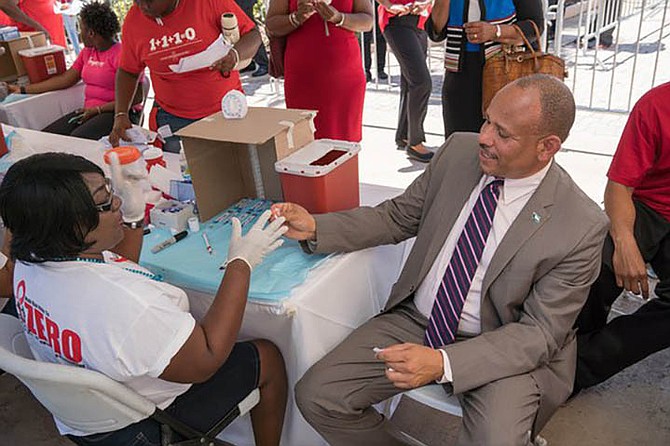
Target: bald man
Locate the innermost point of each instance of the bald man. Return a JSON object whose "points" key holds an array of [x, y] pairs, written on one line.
{"points": [[506, 249]]}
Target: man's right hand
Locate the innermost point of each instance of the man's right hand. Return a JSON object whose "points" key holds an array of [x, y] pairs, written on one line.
{"points": [[301, 225], [121, 124], [629, 267]]}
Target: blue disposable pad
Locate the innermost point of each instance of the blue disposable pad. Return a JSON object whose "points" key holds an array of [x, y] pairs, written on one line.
{"points": [[13, 97], [187, 263]]}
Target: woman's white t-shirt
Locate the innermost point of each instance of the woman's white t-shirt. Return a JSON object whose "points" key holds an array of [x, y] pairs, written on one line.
{"points": [[110, 317]]}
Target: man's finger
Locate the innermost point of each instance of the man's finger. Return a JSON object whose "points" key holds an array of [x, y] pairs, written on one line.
{"points": [[399, 380], [644, 283], [619, 281]]}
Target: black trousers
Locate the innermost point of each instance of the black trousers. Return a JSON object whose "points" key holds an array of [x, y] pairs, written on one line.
{"points": [[95, 128], [380, 49], [605, 349], [261, 57], [462, 96], [410, 46]]}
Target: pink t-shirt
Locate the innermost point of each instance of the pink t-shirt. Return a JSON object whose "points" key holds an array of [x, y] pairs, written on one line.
{"points": [[98, 71]]}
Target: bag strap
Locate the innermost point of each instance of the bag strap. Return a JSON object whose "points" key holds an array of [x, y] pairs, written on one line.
{"points": [[525, 39]]}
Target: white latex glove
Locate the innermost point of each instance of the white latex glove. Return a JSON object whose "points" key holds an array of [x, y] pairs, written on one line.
{"points": [[258, 242], [129, 188]]}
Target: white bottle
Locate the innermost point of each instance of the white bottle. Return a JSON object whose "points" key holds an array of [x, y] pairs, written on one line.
{"points": [[183, 165], [231, 34]]}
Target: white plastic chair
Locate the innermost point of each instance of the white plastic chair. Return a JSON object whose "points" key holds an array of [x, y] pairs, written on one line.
{"points": [[91, 402], [435, 397]]}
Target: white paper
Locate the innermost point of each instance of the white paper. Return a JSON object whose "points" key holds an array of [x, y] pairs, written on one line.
{"points": [[138, 137], [216, 51]]}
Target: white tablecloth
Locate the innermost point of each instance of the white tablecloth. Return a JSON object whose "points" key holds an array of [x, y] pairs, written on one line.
{"points": [[337, 296], [41, 142], [39, 110]]}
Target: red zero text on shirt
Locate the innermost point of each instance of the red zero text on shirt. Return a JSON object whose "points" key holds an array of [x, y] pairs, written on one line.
{"points": [[65, 343]]}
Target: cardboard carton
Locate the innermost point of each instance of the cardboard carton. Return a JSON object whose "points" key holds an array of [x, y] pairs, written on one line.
{"points": [[11, 65], [220, 154]]}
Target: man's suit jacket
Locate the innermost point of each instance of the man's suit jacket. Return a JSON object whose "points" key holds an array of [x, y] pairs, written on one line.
{"points": [[534, 287]]}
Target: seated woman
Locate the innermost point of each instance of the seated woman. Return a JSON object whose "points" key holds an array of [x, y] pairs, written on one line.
{"points": [[117, 318], [96, 65]]}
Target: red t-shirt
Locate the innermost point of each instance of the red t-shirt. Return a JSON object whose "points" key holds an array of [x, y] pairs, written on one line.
{"points": [[42, 11], [98, 70], [642, 160], [188, 30]]}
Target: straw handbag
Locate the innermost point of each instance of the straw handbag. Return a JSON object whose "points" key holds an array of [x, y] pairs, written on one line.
{"points": [[509, 65]]}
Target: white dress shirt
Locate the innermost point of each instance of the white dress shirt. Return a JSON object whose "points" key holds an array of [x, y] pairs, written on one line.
{"points": [[513, 197]]}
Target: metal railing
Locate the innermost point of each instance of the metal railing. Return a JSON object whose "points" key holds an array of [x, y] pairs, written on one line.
{"points": [[612, 49]]}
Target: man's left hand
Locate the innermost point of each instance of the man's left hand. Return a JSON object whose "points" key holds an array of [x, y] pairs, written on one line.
{"points": [[411, 365]]}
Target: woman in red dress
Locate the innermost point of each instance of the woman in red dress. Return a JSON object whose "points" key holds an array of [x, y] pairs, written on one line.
{"points": [[323, 70], [34, 15]]}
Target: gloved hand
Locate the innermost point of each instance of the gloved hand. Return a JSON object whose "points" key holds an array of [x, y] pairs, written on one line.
{"points": [[127, 185], [258, 242]]}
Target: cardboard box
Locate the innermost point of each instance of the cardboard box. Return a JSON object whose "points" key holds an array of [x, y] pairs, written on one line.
{"points": [[11, 65], [218, 154]]}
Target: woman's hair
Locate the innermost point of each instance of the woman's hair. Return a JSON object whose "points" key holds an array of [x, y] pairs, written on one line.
{"points": [[100, 18], [48, 207]]}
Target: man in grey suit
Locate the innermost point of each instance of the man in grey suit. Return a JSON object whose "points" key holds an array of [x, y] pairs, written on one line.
{"points": [[506, 249]]}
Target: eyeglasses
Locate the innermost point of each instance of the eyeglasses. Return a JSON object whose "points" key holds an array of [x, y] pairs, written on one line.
{"points": [[107, 205]]}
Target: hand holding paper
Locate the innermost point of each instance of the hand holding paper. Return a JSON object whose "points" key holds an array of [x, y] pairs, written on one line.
{"points": [[205, 59]]}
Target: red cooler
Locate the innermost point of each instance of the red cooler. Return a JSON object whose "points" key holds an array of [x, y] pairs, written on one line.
{"points": [[322, 176], [43, 62]]}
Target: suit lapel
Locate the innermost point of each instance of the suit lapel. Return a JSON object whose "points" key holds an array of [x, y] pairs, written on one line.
{"points": [[532, 217]]}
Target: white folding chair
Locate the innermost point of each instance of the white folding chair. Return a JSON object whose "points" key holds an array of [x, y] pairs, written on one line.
{"points": [[91, 402], [435, 397]]}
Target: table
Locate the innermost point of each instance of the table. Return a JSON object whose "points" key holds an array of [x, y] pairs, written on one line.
{"points": [[42, 142], [338, 295], [39, 110]]}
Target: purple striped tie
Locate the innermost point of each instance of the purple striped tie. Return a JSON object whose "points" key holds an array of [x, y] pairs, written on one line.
{"points": [[453, 289]]}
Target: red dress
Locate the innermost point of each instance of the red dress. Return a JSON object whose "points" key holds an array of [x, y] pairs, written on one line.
{"points": [[42, 11], [325, 73]]}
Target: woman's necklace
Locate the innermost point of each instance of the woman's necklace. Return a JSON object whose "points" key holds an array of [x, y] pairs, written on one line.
{"points": [[151, 276]]}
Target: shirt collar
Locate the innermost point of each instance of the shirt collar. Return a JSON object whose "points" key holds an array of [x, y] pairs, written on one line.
{"points": [[515, 188]]}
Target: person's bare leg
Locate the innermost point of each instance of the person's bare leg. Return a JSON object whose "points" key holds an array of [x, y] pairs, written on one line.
{"points": [[267, 418]]}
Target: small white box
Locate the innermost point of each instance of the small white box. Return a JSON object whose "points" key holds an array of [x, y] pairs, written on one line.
{"points": [[171, 214]]}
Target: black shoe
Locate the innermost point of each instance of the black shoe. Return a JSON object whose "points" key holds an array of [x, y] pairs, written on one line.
{"points": [[368, 76], [260, 71], [382, 76], [418, 156], [249, 68]]}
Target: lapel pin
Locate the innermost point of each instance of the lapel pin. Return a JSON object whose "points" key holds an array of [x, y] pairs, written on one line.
{"points": [[536, 217]]}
